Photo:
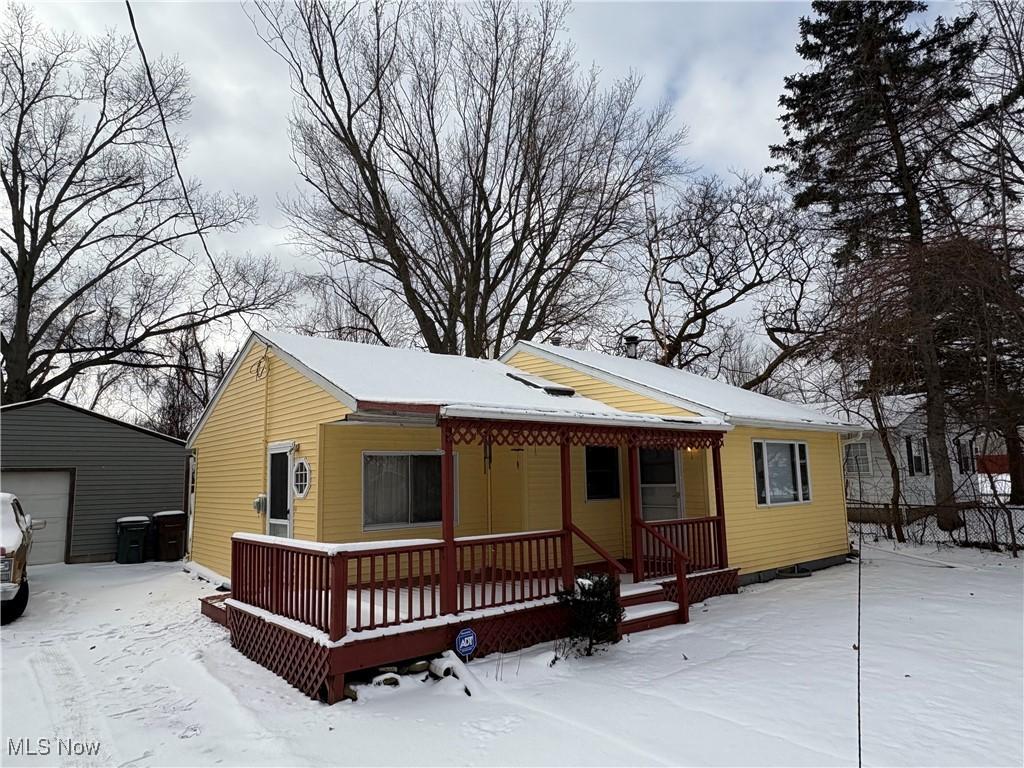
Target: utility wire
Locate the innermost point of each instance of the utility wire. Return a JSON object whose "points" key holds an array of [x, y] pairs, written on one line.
{"points": [[174, 160]]}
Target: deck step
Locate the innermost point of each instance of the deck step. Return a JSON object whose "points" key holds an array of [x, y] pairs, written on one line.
{"points": [[637, 594], [648, 616]]}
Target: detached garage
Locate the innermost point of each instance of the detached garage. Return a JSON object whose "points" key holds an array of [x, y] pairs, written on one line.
{"points": [[80, 471]]}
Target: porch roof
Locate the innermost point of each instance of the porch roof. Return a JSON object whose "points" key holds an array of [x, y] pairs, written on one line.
{"points": [[376, 381]]}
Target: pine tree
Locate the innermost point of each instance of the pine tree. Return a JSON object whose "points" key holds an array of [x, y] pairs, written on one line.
{"points": [[869, 127]]}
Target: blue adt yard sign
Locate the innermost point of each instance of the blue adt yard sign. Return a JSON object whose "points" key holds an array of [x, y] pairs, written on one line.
{"points": [[465, 642]]}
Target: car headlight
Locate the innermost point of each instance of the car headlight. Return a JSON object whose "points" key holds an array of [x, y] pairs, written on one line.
{"points": [[6, 566]]}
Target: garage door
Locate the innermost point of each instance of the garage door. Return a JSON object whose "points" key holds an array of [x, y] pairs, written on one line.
{"points": [[44, 496]]}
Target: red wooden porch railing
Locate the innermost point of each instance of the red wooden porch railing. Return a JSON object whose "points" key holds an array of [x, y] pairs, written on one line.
{"points": [[393, 583], [340, 588], [697, 537], [380, 585], [509, 568], [283, 577], [663, 559]]}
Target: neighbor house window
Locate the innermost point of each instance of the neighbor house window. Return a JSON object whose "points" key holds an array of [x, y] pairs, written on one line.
{"points": [[301, 478], [917, 456], [965, 457], [401, 489], [602, 472], [857, 460], [781, 472]]}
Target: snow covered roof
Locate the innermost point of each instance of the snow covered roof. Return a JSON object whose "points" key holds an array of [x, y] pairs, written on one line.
{"points": [[896, 409], [707, 397], [367, 377]]}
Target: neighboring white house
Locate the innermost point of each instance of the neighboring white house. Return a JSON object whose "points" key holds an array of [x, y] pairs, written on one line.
{"points": [[867, 471]]}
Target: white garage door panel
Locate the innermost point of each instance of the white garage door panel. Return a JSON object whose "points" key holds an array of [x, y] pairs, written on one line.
{"points": [[44, 496]]}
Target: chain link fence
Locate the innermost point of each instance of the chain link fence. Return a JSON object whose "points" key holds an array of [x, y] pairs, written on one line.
{"points": [[987, 525]]}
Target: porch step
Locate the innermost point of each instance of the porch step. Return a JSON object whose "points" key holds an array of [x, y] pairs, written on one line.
{"points": [[638, 594], [648, 616]]}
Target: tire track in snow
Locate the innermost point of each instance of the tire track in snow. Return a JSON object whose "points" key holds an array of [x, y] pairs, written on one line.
{"points": [[74, 708]]}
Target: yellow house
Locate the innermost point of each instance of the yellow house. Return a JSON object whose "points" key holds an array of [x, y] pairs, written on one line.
{"points": [[433, 490]]}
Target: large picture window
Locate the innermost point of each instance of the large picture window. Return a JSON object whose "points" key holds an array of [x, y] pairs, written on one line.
{"points": [[602, 472], [781, 472], [402, 489]]}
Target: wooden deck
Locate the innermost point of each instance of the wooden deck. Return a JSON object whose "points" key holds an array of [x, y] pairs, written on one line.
{"points": [[398, 605]]}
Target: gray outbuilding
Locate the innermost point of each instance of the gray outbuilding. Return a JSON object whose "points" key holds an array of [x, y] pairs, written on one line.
{"points": [[80, 471]]}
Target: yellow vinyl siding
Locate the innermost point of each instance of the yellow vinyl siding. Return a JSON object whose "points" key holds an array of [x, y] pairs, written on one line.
{"points": [[764, 537], [601, 520], [343, 482], [594, 388], [695, 483], [231, 451]]}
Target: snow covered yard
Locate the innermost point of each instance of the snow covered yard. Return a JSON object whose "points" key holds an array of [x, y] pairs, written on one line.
{"points": [[121, 655]]}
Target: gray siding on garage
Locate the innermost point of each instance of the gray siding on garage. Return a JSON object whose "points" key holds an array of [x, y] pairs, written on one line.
{"points": [[118, 470]]}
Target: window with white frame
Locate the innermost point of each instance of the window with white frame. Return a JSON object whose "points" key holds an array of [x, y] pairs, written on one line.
{"points": [[301, 476], [857, 458], [781, 472], [402, 489], [917, 456]]}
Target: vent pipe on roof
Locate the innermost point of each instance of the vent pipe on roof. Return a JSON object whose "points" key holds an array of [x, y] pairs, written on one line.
{"points": [[631, 346], [556, 340]]}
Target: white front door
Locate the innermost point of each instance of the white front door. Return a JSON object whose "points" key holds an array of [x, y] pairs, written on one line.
{"points": [[44, 495], [279, 492], [659, 485]]}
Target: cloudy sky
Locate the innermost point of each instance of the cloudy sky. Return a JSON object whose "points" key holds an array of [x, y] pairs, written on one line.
{"points": [[720, 64]]}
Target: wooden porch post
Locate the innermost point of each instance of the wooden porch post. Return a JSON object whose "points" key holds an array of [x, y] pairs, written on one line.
{"points": [[716, 461], [568, 571], [635, 513], [449, 601]]}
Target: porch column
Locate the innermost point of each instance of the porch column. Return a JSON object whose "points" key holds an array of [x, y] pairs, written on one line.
{"points": [[635, 513], [449, 602], [716, 462], [568, 570]]}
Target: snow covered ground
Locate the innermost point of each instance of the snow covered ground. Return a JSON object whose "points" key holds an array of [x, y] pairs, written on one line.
{"points": [[121, 655]]}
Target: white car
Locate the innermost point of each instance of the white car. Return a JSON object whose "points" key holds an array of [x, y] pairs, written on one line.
{"points": [[15, 543]]}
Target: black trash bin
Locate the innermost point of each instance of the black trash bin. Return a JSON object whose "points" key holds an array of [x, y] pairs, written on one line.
{"points": [[170, 535], [131, 539]]}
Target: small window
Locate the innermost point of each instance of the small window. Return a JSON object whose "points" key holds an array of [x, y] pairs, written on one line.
{"points": [[602, 472], [402, 489], [965, 457], [781, 472], [301, 475], [857, 459], [917, 456]]}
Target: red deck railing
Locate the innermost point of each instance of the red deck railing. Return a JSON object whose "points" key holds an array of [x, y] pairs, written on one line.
{"points": [[507, 568], [662, 559], [393, 584], [697, 537], [340, 588]]}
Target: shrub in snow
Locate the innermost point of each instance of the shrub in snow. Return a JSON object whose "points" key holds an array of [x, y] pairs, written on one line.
{"points": [[594, 613]]}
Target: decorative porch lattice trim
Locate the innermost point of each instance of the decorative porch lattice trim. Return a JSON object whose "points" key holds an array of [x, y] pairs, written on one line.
{"points": [[701, 586], [495, 432], [299, 660]]}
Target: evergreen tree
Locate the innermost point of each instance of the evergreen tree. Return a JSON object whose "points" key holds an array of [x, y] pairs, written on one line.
{"points": [[869, 127]]}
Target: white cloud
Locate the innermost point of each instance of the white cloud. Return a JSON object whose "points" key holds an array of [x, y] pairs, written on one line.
{"points": [[720, 64]]}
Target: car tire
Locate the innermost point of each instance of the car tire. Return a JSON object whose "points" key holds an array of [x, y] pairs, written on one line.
{"points": [[13, 608]]}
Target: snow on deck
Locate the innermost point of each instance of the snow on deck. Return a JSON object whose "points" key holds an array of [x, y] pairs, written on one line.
{"points": [[121, 654]]}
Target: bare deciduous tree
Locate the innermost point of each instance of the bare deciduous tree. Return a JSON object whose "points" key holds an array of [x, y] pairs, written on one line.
{"points": [[96, 244], [457, 155], [718, 253]]}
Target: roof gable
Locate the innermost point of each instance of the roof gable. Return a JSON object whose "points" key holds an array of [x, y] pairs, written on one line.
{"points": [[53, 401], [688, 390]]}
